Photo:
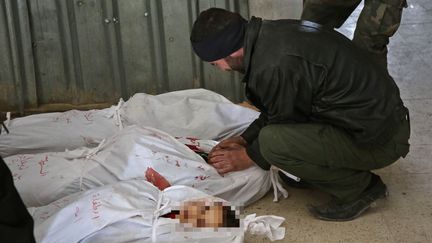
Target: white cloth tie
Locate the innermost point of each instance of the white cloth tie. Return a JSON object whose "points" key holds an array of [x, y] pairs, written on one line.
{"points": [[157, 214], [277, 186], [8, 118], [87, 154], [275, 179], [117, 116], [268, 225]]}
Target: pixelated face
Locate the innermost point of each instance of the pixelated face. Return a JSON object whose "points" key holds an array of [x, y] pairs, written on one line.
{"points": [[213, 216], [202, 214]]}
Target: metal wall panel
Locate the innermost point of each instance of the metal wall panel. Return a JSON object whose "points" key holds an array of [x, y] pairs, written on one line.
{"points": [[70, 53], [17, 80], [7, 79], [73, 52]]}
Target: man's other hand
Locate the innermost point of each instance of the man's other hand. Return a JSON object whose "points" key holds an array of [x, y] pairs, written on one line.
{"points": [[232, 157]]}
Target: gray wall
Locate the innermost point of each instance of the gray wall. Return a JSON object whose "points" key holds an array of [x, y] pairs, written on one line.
{"points": [[276, 9], [61, 54], [17, 74]]}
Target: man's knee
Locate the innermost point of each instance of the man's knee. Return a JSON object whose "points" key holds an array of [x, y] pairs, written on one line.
{"points": [[266, 138], [273, 143]]}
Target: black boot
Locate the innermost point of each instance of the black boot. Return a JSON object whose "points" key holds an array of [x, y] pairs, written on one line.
{"points": [[345, 211]]}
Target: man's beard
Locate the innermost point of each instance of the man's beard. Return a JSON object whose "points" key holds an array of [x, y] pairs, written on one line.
{"points": [[236, 63]]}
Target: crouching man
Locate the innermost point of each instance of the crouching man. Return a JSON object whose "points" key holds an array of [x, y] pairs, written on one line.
{"points": [[329, 114]]}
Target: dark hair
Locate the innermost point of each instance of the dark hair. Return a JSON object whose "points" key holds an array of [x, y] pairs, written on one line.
{"points": [[230, 218], [217, 33], [212, 21]]}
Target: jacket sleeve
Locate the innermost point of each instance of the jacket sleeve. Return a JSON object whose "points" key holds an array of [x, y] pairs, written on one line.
{"points": [[254, 153], [251, 137], [286, 94], [254, 128]]}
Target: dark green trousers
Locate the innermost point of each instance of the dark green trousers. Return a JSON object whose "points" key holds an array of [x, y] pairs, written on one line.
{"points": [[327, 157]]}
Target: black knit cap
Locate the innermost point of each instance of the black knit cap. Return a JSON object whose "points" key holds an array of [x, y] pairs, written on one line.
{"points": [[217, 33]]}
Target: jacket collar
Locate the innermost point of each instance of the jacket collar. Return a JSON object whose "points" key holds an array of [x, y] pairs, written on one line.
{"points": [[252, 31]]}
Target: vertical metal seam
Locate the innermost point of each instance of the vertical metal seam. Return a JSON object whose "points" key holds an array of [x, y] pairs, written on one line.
{"points": [[119, 49], [36, 63], [110, 43], [26, 54], [33, 50], [67, 47], [194, 61], [164, 67], [14, 54], [201, 64], [75, 45], [152, 48], [9, 47], [21, 62], [63, 44]]}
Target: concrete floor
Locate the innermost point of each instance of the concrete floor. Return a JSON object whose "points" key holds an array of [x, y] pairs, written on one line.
{"points": [[406, 215]]}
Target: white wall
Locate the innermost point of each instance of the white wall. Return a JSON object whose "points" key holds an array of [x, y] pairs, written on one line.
{"points": [[276, 9]]}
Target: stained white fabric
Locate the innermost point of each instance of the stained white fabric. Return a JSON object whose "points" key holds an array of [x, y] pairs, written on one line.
{"points": [[77, 216], [197, 113], [55, 132], [44, 178], [125, 212]]}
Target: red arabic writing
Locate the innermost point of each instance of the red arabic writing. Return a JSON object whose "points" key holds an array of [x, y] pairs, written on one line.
{"points": [[96, 203], [42, 163]]}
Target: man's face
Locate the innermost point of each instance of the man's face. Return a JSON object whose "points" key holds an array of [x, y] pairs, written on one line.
{"points": [[221, 64], [230, 63]]}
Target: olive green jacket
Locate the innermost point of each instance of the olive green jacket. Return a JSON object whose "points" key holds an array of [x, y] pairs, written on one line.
{"points": [[299, 72]]}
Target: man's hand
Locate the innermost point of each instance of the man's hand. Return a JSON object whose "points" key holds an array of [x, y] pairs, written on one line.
{"points": [[229, 142], [230, 157]]}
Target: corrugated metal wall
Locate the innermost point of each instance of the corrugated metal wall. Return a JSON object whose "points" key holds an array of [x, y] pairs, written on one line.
{"points": [[58, 54]]}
